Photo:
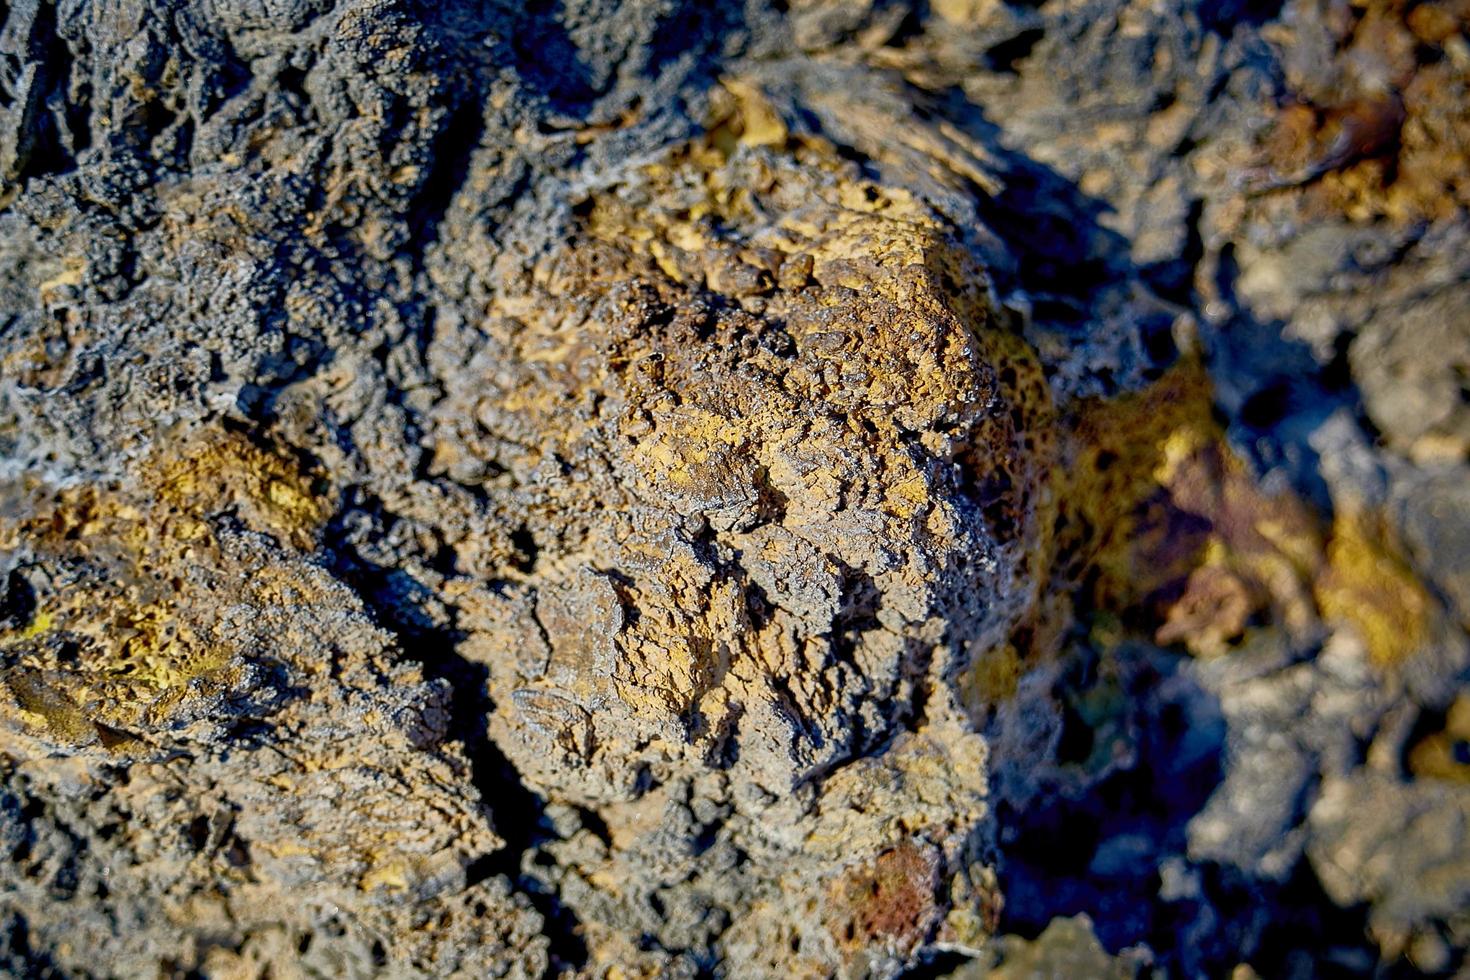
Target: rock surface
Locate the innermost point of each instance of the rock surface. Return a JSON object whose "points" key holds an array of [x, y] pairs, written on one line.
{"points": [[648, 488]]}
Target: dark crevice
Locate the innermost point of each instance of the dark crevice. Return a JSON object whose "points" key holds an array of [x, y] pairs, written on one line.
{"points": [[1300, 908], [1223, 17], [550, 59], [1173, 280], [692, 28], [516, 809], [937, 967], [1101, 851], [1269, 405], [1055, 853], [44, 147], [453, 151], [17, 601], [1008, 54], [17, 957]]}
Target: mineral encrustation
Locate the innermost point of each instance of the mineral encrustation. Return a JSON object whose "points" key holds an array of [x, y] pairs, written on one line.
{"points": [[644, 488]]}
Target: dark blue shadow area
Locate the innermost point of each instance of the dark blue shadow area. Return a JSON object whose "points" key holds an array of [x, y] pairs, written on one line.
{"points": [[1116, 848]]}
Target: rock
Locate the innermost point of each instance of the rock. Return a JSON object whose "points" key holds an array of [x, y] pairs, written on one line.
{"points": [[1066, 949], [1412, 369], [1365, 851], [650, 488], [210, 736]]}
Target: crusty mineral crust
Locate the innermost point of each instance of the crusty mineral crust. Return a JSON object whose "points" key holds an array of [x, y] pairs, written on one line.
{"points": [[218, 744], [741, 416], [654, 488], [725, 487]]}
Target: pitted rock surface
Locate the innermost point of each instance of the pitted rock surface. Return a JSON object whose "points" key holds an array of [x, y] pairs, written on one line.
{"points": [[649, 488]]}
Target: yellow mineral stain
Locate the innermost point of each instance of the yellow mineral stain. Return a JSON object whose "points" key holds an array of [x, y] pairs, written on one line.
{"points": [[1368, 589]]}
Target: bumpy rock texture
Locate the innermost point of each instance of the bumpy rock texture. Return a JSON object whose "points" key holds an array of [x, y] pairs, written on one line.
{"points": [[649, 488]]}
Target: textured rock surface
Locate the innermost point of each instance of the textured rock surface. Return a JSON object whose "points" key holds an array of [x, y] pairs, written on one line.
{"points": [[649, 488]]}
